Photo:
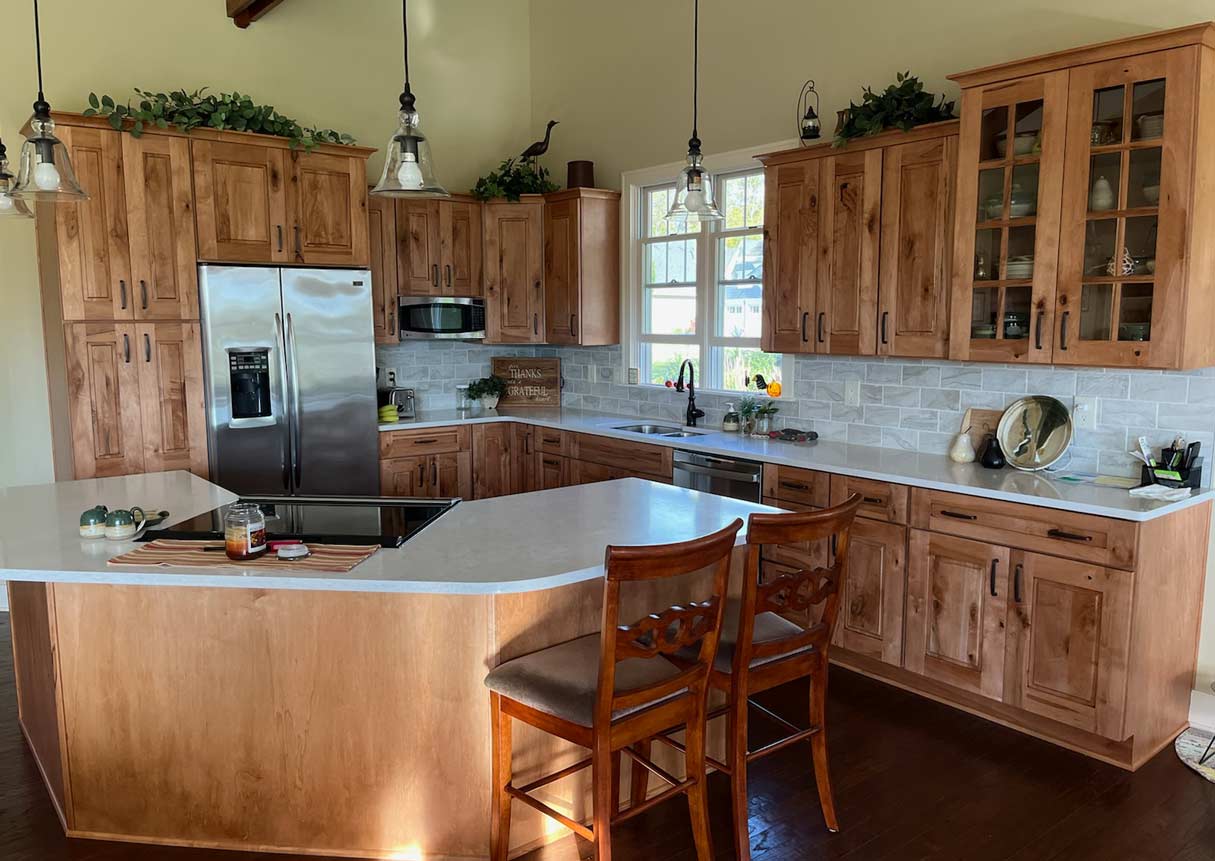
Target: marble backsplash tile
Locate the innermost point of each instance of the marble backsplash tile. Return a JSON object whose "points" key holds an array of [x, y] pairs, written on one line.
{"points": [[910, 404]]}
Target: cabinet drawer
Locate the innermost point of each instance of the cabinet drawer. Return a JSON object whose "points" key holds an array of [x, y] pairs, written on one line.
{"points": [[551, 441], [804, 554], [425, 441], [881, 500], [1086, 537], [633, 458], [790, 484]]}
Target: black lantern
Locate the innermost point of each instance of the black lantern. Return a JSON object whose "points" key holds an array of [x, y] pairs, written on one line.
{"points": [[808, 126]]}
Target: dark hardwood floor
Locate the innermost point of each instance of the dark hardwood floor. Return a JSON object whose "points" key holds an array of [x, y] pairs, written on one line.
{"points": [[913, 779]]}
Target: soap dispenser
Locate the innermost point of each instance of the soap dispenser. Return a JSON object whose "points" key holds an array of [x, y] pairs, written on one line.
{"points": [[731, 421]]}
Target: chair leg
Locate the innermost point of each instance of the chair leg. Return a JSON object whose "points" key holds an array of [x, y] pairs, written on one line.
{"points": [[639, 784], [698, 797], [499, 831], [602, 795], [818, 747], [616, 755], [737, 742]]}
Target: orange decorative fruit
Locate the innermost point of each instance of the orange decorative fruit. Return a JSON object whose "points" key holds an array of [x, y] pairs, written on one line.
{"points": [[774, 389]]}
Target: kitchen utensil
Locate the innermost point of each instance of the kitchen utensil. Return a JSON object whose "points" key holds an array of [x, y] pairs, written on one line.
{"points": [[1016, 324], [1191, 454], [123, 524], [92, 522], [1035, 432]]}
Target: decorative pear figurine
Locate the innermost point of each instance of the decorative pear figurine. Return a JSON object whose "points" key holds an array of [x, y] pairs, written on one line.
{"points": [[1101, 198], [962, 450], [993, 455]]}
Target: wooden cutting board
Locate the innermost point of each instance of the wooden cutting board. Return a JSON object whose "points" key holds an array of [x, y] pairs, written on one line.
{"points": [[529, 382]]}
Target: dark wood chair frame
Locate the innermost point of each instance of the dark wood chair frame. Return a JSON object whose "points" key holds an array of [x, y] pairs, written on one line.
{"points": [[659, 634], [791, 594]]}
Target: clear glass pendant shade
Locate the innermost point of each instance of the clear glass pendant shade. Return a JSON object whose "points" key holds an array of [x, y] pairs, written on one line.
{"points": [[694, 192], [408, 167], [45, 172], [10, 207]]}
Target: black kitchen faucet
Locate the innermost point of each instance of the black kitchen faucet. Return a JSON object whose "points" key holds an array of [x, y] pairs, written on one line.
{"points": [[693, 414]]}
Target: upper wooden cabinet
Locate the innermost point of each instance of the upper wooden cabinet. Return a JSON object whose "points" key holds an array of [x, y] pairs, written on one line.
{"points": [[582, 267], [328, 202], [439, 247], [1082, 210], [514, 271], [856, 245], [382, 237]]}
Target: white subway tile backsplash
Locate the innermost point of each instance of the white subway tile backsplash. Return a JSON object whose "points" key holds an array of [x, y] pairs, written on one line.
{"points": [[1004, 380], [919, 420], [922, 376], [961, 377], [900, 396], [940, 399], [1103, 385], [1165, 388], [1126, 414]]}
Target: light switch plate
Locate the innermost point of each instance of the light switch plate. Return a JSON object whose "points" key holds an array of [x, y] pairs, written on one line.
{"points": [[1084, 413], [852, 393]]}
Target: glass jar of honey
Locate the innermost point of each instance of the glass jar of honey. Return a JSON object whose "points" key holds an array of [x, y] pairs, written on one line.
{"points": [[244, 532]]}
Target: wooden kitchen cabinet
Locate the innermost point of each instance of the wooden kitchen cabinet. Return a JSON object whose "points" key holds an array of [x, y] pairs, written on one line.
{"points": [[514, 271], [431, 476], [871, 606], [1069, 638], [791, 240], [382, 239], [439, 247], [525, 467], [493, 464], [171, 401], [404, 476], [957, 601], [327, 198], [849, 249], [554, 471], [240, 193], [582, 267], [104, 399]]}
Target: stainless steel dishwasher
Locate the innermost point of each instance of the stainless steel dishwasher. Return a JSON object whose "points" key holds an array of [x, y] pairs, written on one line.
{"points": [[724, 476]]}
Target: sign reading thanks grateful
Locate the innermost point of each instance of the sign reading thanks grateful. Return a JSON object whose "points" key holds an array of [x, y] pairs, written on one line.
{"points": [[529, 382]]}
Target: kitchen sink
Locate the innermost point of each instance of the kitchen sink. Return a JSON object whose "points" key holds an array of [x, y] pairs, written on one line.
{"points": [[683, 433], [659, 430]]}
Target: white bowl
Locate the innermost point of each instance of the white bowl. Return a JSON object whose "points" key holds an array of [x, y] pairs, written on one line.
{"points": [[1151, 193]]}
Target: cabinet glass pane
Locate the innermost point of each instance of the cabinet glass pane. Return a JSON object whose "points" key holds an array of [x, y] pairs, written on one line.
{"points": [[1107, 116], [1017, 302], [1135, 313], [1099, 240], [1023, 199], [1143, 178], [1140, 244], [993, 133], [1020, 262], [987, 254], [1104, 176], [1147, 103], [991, 194], [984, 304], [1096, 311]]}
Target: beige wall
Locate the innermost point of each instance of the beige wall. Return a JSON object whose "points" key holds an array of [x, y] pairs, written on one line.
{"points": [[320, 61]]}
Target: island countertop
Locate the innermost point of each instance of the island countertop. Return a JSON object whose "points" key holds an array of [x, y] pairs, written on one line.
{"points": [[509, 544], [916, 469]]}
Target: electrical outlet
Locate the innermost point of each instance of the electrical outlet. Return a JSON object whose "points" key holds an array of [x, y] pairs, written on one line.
{"points": [[634, 376], [1084, 413], [852, 393]]}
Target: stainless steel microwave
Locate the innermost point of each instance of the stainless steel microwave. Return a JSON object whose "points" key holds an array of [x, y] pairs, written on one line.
{"points": [[441, 317]]}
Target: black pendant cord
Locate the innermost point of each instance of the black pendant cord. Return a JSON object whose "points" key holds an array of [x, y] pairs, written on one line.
{"points": [[407, 99], [41, 107], [694, 143]]}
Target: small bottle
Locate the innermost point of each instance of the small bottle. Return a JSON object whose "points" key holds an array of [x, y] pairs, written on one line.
{"points": [[730, 422], [244, 532]]}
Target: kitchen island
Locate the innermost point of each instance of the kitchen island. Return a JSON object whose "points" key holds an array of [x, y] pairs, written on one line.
{"points": [[334, 714]]}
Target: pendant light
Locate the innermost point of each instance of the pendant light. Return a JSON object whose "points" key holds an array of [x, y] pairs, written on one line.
{"points": [[45, 171], [10, 207], [409, 170], [694, 186]]}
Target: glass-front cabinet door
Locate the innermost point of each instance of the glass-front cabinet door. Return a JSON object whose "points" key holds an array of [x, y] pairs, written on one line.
{"points": [[1010, 185], [1126, 183]]}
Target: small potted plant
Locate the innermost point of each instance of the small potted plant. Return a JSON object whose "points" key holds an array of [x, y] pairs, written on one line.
{"points": [[487, 391], [748, 412], [763, 417]]}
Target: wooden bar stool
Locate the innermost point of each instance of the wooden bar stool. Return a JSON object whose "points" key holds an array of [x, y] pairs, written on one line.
{"points": [[762, 647], [609, 690]]}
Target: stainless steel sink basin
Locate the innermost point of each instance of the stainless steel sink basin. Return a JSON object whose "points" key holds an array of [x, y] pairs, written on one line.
{"points": [[683, 433], [664, 430]]}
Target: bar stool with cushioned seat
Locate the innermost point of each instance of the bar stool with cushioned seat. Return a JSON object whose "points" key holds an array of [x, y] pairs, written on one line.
{"points": [[762, 646], [609, 690]]}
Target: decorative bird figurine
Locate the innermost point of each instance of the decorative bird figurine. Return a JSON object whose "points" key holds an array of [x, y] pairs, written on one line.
{"points": [[539, 148]]}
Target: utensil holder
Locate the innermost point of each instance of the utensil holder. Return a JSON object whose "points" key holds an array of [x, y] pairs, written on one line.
{"points": [[1191, 477]]}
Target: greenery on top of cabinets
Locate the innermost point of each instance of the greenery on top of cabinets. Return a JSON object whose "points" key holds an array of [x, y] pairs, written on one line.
{"points": [[227, 111], [902, 105], [512, 179]]}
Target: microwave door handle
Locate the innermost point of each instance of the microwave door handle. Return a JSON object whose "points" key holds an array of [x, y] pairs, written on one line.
{"points": [[286, 459], [297, 466]]}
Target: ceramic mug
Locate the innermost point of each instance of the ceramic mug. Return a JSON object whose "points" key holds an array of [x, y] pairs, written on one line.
{"points": [[92, 522], [121, 525]]}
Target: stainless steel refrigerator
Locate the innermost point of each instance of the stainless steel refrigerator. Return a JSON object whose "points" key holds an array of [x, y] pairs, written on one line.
{"points": [[290, 380]]}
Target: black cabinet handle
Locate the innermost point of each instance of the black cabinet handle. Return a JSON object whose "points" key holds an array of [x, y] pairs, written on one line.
{"points": [[535, 324], [885, 320], [425, 441], [1017, 583], [1038, 330], [422, 472], [122, 293], [434, 274], [279, 228], [957, 515], [299, 243], [873, 500], [1063, 330], [392, 322], [995, 563], [551, 461], [1068, 536], [434, 473], [794, 485], [448, 268], [527, 443], [126, 349], [573, 323], [143, 293], [805, 320], [147, 348], [822, 315]]}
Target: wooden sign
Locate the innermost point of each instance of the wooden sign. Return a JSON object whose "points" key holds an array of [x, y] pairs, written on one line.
{"points": [[529, 382]]}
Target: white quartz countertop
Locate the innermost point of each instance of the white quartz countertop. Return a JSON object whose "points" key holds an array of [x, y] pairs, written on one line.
{"points": [[931, 471], [518, 543]]}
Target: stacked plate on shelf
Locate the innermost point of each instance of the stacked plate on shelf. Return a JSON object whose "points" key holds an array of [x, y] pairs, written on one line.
{"points": [[1019, 267]]}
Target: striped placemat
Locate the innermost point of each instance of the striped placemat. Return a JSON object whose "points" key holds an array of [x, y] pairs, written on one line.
{"points": [[167, 553]]}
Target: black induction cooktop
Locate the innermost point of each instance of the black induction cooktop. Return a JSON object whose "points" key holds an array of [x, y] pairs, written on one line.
{"points": [[386, 521]]}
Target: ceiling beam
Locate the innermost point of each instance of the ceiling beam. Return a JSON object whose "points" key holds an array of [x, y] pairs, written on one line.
{"points": [[245, 12]]}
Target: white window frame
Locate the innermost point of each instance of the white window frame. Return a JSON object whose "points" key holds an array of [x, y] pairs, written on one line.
{"points": [[634, 184]]}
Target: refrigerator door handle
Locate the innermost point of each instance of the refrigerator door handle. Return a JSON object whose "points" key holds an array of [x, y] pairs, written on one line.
{"points": [[298, 466], [287, 457]]}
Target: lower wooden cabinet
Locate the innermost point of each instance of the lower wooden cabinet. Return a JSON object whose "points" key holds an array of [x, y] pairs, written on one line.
{"points": [[957, 600], [135, 398], [554, 471], [493, 465], [524, 463], [428, 476], [871, 607]]}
